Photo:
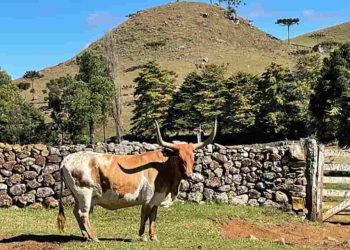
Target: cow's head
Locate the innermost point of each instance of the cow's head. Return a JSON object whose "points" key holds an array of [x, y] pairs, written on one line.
{"points": [[185, 152]]}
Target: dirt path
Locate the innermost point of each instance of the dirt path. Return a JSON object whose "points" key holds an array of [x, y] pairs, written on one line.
{"points": [[325, 236]]}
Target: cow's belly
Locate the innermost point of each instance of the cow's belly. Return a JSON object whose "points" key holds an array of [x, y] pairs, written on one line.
{"points": [[112, 200]]}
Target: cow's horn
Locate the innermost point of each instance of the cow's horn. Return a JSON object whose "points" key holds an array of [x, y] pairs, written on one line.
{"points": [[160, 139], [209, 140]]}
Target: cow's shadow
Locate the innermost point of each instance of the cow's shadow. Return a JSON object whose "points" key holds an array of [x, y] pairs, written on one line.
{"points": [[55, 238]]}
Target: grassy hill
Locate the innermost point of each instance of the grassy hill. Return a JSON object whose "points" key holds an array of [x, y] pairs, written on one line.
{"points": [[337, 33], [189, 38]]}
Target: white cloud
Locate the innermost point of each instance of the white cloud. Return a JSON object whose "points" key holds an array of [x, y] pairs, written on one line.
{"points": [[313, 15], [101, 17]]}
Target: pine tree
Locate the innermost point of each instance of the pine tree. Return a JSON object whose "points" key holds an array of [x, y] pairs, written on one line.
{"points": [[283, 104], [239, 109], [330, 101], [153, 95], [199, 99]]}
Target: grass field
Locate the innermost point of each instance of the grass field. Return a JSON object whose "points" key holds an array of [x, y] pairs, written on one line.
{"points": [[182, 226]]}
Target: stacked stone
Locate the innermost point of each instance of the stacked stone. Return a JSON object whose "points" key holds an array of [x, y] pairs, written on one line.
{"points": [[29, 175], [269, 176], [254, 175]]}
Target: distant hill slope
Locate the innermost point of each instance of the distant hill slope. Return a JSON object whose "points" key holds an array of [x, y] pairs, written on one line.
{"points": [[337, 33], [189, 37]]}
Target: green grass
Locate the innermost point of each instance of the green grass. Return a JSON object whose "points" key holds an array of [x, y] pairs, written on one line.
{"points": [[183, 226], [337, 186]]}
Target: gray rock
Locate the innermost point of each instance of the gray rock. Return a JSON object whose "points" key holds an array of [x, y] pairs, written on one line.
{"points": [[36, 168], [33, 184], [17, 190], [239, 200], [224, 188], [213, 182], [197, 177], [196, 196], [208, 194], [184, 186], [44, 192], [218, 172], [219, 157], [48, 180], [30, 175], [245, 170], [5, 172], [54, 159], [237, 179], [296, 152], [56, 151], [260, 186], [281, 197], [241, 190], [198, 187], [270, 203], [253, 202], [220, 197], [28, 161], [19, 168], [3, 186], [261, 200], [254, 194]]}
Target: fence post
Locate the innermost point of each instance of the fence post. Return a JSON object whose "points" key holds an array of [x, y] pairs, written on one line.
{"points": [[314, 156]]}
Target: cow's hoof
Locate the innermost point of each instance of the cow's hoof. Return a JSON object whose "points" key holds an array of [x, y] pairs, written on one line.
{"points": [[153, 238], [143, 238], [95, 240]]}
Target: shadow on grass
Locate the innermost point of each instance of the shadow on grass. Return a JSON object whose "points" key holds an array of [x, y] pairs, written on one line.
{"points": [[54, 238]]}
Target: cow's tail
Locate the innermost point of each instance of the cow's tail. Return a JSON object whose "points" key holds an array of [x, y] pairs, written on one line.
{"points": [[61, 218]]}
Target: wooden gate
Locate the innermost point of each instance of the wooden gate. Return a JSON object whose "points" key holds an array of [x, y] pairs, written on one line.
{"points": [[335, 186], [328, 193]]}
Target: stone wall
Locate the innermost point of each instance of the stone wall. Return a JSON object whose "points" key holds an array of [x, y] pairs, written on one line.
{"points": [[254, 175]]}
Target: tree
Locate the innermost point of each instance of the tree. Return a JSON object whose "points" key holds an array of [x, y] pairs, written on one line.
{"points": [[283, 104], [19, 121], [330, 103], [4, 78], [77, 105], [317, 36], [59, 115], [153, 94], [32, 75], [199, 99], [111, 58], [94, 72], [239, 109], [288, 22], [308, 69]]}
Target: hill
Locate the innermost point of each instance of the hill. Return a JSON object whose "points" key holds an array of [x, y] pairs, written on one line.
{"points": [[191, 33], [337, 33]]}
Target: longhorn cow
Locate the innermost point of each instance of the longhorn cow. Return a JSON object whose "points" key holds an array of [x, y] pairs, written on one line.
{"points": [[118, 181]]}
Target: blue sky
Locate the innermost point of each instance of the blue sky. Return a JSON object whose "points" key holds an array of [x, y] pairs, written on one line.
{"points": [[39, 33]]}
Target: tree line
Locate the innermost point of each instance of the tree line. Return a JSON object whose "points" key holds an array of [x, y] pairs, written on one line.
{"points": [[310, 99]]}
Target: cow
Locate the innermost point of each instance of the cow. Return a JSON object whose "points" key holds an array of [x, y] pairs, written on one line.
{"points": [[118, 181]]}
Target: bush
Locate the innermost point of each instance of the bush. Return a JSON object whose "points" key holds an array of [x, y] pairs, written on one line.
{"points": [[24, 86]]}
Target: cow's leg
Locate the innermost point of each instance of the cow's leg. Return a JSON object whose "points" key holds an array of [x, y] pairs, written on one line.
{"points": [[145, 212], [84, 209], [152, 223], [80, 221]]}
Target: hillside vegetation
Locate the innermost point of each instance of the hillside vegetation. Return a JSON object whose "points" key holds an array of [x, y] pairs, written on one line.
{"points": [[187, 37], [338, 33]]}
